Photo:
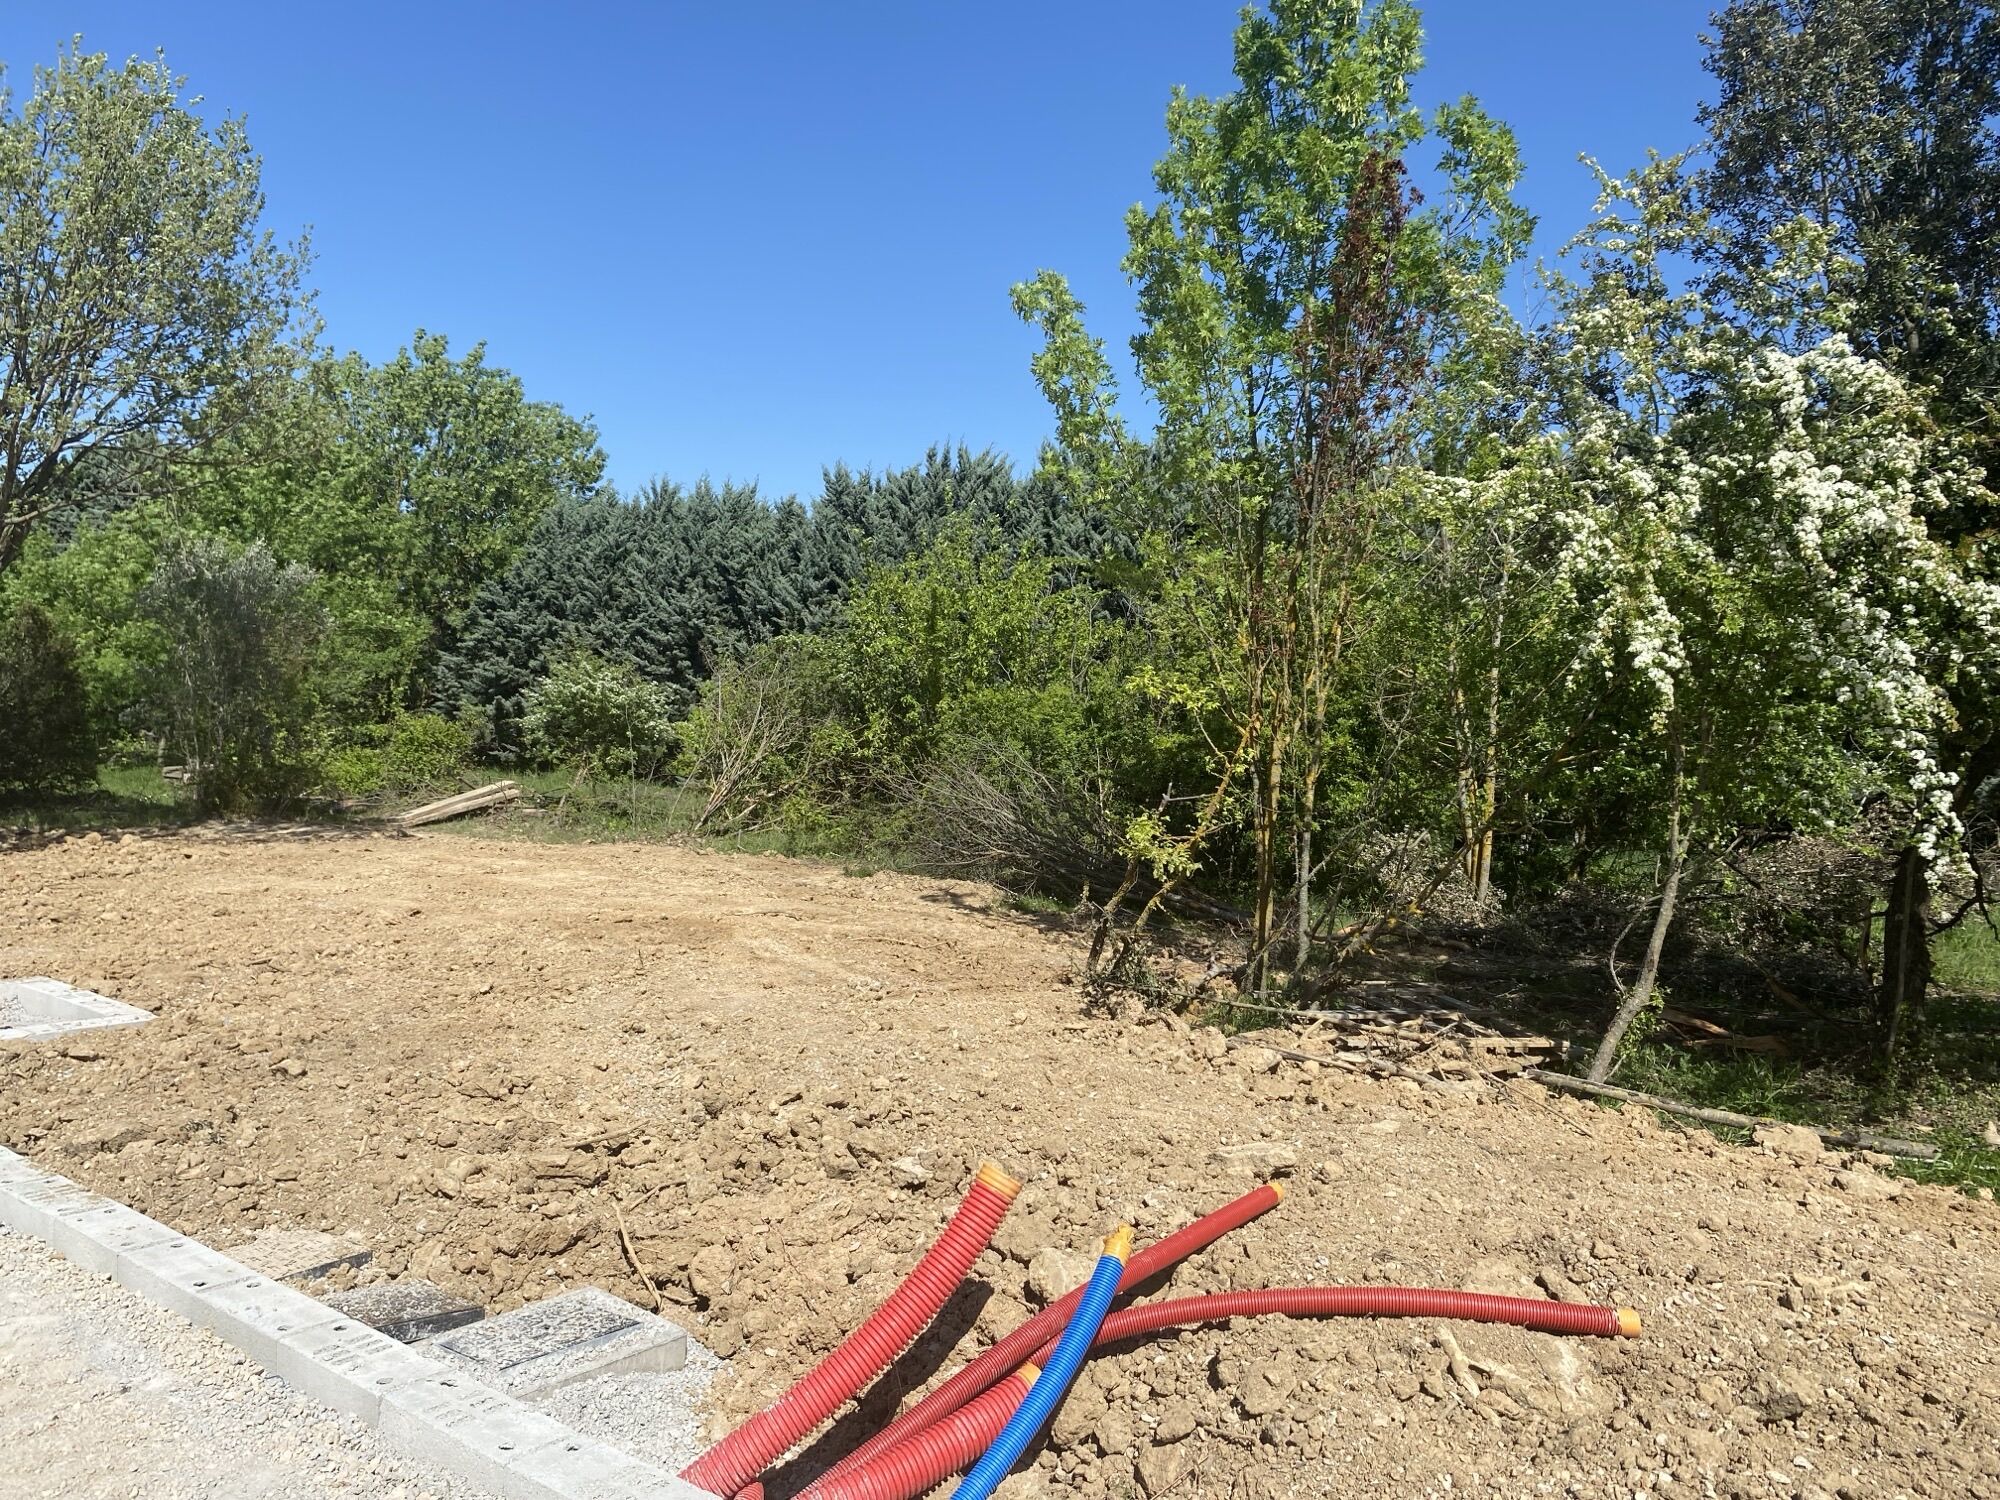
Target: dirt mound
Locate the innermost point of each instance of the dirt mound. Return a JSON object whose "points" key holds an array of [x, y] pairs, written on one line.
{"points": [[480, 1056]]}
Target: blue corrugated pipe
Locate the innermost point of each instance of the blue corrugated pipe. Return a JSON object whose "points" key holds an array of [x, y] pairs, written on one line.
{"points": [[1047, 1393]]}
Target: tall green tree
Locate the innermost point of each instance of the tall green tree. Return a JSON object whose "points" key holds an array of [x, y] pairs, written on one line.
{"points": [[1289, 291], [143, 310], [1874, 120], [454, 460]]}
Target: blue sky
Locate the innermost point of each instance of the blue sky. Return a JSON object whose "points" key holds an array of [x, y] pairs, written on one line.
{"points": [[751, 240]]}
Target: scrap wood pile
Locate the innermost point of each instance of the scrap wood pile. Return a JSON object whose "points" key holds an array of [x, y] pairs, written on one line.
{"points": [[495, 794]]}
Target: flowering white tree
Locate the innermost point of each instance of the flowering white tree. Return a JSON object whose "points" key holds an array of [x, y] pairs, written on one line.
{"points": [[1743, 498]]}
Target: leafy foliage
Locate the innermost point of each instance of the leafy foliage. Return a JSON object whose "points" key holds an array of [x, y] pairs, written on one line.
{"points": [[424, 751], [49, 745], [237, 685], [145, 304], [601, 715]]}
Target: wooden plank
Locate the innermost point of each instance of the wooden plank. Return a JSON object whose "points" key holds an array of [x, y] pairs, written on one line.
{"points": [[464, 802]]}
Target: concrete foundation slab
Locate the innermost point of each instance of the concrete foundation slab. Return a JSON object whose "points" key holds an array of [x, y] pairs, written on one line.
{"points": [[299, 1254], [40, 1009], [407, 1311], [570, 1337]]}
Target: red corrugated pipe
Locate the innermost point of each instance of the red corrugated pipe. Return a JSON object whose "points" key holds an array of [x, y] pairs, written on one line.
{"points": [[948, 1446], [1371, 1302], [739, 1458], [957, 1439], [1048, 1324]]}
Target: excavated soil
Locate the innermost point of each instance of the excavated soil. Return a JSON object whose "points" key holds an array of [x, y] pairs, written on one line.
{"points": [[479, 1055]]}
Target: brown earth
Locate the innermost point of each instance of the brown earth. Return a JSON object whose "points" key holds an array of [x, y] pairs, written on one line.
{"points": [[782, 1076]]}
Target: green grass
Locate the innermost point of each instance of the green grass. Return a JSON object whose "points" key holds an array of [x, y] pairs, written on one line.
{"points": [[557, 808], [1944, 1097], [1967, 957], [125, 797]]}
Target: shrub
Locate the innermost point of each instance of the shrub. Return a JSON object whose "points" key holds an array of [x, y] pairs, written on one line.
{"points": [[238, 688], [425, 750], [601, 714], [759, 734], [355, 771], [48, 744]]}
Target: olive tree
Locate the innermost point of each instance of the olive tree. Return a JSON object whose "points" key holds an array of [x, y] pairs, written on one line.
{"points": [[141, 305]]}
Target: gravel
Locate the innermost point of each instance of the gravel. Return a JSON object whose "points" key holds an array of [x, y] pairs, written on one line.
{"points": [[650, 1416], [102, 1394]]}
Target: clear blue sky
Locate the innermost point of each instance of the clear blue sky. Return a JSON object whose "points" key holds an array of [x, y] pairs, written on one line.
{"points": [[753, 239]]}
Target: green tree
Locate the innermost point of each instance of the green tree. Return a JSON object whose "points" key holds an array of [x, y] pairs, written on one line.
{"points": [[142, 309], [1873, 120], [237, 685], [1288, 296], [456, 465], [49, 745], [1745, 535]]}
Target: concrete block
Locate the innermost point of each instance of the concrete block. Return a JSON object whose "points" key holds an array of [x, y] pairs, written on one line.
{"points": [[574, 1336], [474, 1431], [581, 1468], [178, 1274], [96, 1237], [35, 1207], [298, 1254], [15, 1167], [260, 1316], [408, 1311], [350, 1367]]}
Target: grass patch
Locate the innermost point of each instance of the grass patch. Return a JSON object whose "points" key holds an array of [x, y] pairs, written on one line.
{"points": [[124, 797], [1967, 957], [1944, 1097]]}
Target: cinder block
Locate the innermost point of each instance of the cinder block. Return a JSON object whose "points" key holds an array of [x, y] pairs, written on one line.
{"points": [[349, 1366], [474, 1431], [179, 1275], [96, 1237]]}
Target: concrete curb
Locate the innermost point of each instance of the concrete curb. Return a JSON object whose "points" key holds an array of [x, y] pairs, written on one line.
{"points": [[426, 1409]]}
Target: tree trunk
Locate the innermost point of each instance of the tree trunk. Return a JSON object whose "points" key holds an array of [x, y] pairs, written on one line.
{"points": [[1303, 899], [1906, 953], [1649, 969]]}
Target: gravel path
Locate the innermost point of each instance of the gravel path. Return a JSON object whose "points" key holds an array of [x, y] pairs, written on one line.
{"points": [[104, 1395]]}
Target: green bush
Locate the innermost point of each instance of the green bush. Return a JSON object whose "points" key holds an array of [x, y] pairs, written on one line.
{"points": [[47, 745], [239, 686], [355, 771], [425, 750], [602, 715]]}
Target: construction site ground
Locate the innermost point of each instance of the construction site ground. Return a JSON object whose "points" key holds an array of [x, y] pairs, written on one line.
{"points": [[754, 1088]]}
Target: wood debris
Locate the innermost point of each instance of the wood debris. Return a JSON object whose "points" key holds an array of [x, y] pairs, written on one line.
{"points": [[477, 800]]}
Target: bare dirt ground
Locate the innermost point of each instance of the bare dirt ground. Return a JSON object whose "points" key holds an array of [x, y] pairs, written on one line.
{"points": [[479, 1055]]}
